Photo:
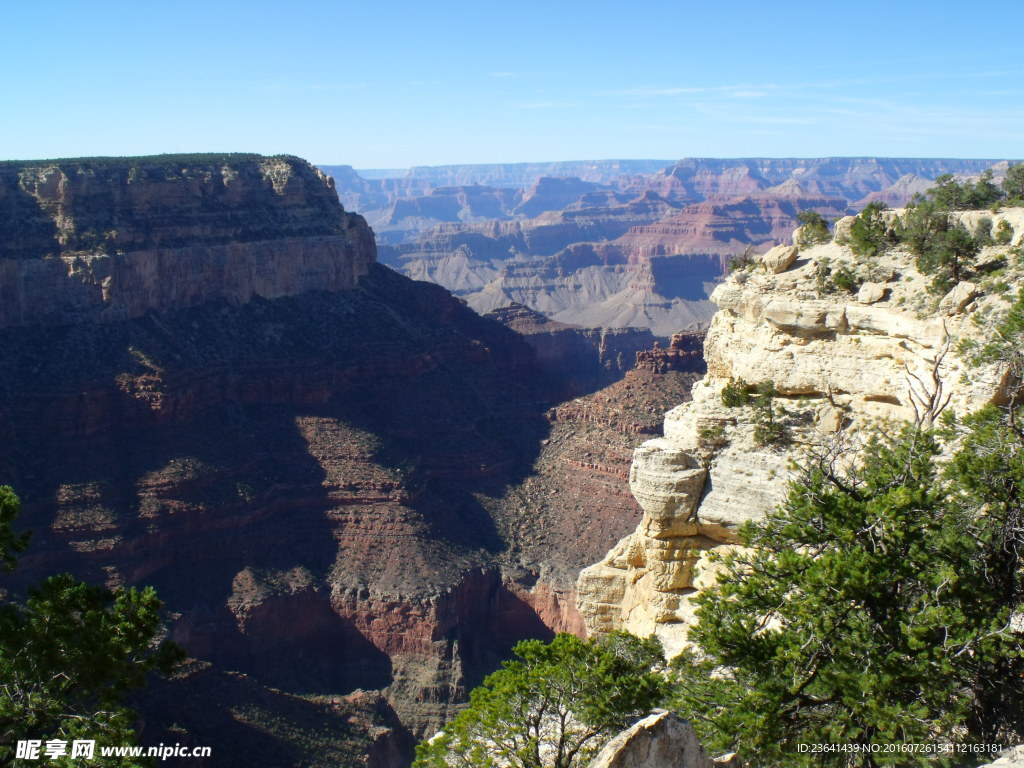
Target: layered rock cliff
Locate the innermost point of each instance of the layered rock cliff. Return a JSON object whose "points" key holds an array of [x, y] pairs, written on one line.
{"points": [[580, 360], [839, 361], [111, 238], [350, 493], [640, 249]]}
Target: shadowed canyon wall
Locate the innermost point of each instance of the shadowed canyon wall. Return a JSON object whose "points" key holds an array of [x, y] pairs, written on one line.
{"points": [[347, 487]]}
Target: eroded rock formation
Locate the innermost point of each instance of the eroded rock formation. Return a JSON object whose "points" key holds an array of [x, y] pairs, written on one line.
{"points": [[351, 495], [838, 361], [111, 239], [580, 360], [660, 740], [642, 249]]}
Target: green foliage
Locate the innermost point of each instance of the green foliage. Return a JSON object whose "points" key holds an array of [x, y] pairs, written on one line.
{"points": [[712, 436], [813, 229], [70, 652], [736, 393], [1003, 233], [1005, 345], [943, 249], [946, 249], [1013, 183], [554, 707], [987, 474], [984, 234], [870, 235], [768, 430], [835, 279], [951, 195], [873, 607], [950, 259], [921, 228], [10, 543], [742, 261]]}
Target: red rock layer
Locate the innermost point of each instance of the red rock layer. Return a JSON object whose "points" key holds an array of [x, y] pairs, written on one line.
{"points": [[330, 491], [684, 353]]}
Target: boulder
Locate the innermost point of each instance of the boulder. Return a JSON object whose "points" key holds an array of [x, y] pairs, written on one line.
{"points": [[954, 302], [841, 231], [661, 740], [1011, 758], [869, 293], [780, 258]]}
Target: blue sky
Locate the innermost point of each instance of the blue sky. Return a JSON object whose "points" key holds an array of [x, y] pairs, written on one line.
{"points": [[394, 84]]}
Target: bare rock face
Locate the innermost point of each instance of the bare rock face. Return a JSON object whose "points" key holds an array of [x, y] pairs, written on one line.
{"points": [[636, 250], [685, 352], [580, 360], [111, 239], [354, 497], [957, 299], [780, 258], [320, 464], [661, 740], [1011, 758], [839, 363]]}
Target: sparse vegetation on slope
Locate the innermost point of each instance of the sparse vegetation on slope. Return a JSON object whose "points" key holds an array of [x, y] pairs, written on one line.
{"points": [[874, 607], [70, 652], [554, 707]]}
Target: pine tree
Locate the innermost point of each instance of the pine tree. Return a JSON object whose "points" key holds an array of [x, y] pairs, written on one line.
{"points": [[865, 611], [70, 652], [554, 707]]}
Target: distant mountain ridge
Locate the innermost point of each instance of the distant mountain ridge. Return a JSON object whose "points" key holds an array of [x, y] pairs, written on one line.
{"points": [[515, 174], [593, 243]]}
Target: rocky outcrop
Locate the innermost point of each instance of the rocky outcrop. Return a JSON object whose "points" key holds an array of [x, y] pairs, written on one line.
{"points": [[661, 740], [111, 239], [638, 250], [580, 360], [351, 496], [685, 352], [1011, 758], [838, 362], [321, 465]]}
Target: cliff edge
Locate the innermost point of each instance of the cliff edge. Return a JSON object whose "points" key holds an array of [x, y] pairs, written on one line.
{"points": [[840, 358], [106, 239]]}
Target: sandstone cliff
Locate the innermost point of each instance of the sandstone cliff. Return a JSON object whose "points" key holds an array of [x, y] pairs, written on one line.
{"points": [[640, 250], [113, 238], [660, 740], [350, 493], [839, 361]]}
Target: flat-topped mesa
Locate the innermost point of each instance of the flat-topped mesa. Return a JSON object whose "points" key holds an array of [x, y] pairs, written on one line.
{"points": [[847, 342], [105, 239]]}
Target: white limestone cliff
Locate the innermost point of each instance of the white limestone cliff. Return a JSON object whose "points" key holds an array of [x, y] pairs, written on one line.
{"points": [[839, 361], [660, 740]]}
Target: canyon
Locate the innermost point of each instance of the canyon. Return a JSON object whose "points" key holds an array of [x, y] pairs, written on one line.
{"points": [[613, 243], [842, 362], [353, 493]]}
